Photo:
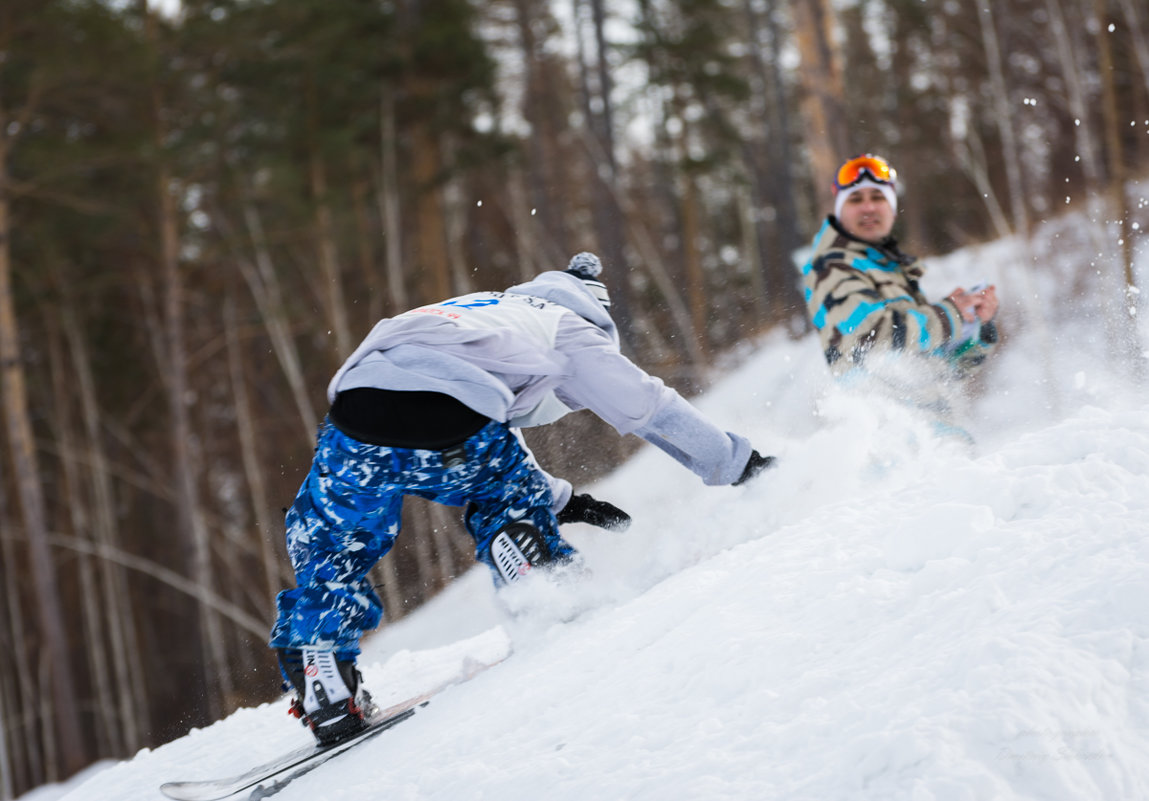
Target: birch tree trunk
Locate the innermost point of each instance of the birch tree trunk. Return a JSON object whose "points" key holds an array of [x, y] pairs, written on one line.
{"points": [[823, 95], [429, 263], [95, 640], [539, 156], [970, 153], [691, 234], [329, 268], [752, 244], [173, 367], [783, 153], [526, 242], [1129, 344], [1003, 116], [696, 293], [266, 530], [420, 530], [360, 185], [1138, 36], [441, 525], [268, 294], [679, 311], [433, 276], [16, 683], [610, 219], [776, 268], [46, 706], [128, 672], [262, 280], [389, 203], [1089, 153], [6, 791], [454, 224], [1076, 97], [689, 340], [26, 478], [389, 579]]}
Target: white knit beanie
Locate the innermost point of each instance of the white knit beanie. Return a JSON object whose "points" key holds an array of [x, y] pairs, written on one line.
{"points": [[885, 189]]}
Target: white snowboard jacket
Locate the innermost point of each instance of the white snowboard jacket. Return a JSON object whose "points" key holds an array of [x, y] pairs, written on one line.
{"points": [[528, 356]]}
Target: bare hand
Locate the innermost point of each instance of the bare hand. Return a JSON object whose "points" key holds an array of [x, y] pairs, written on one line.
{"points": [[980, 305], [965, 302], [987, 305]]}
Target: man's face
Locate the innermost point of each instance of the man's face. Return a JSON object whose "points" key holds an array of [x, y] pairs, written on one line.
{"points": [[867, 214]]}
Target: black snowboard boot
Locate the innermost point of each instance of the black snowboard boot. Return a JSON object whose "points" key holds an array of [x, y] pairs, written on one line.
{"points": [[329, 697], [519, 547]]}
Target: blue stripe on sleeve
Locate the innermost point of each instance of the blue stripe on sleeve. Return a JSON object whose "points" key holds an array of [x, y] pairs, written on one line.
{"points": [[924, 336], [860, 313], [864, 310], [875, 260]]}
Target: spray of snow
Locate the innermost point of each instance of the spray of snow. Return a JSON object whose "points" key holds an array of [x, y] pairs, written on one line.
{"points": [[888, 614]]}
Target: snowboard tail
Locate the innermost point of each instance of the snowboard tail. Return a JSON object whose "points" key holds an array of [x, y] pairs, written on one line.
{"points": [[278, 772], [269, 778]]}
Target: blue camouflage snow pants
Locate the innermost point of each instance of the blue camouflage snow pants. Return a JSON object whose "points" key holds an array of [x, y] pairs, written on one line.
{"points": [[347, 515]]}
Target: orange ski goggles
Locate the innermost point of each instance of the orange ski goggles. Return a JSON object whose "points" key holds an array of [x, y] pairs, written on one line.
{"points": [[854, 170]]}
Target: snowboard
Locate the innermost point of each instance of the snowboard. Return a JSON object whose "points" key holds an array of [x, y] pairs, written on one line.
{"points": [[269, 778]]}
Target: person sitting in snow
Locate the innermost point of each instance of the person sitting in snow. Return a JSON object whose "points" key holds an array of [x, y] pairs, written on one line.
{"points": [[862, 292], [430, 404]]}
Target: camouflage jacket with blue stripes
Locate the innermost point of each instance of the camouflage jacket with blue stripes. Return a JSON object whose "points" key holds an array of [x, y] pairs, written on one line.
{"points": [[865, 297]]}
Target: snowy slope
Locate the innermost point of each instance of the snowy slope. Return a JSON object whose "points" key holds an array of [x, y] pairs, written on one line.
{"points": [[887, 615]]}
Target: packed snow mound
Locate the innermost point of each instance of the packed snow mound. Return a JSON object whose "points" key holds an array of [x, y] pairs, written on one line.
{"points": [[891, 613]]}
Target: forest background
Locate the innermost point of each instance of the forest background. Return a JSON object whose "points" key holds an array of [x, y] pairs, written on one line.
{"points": [[202, 212]]}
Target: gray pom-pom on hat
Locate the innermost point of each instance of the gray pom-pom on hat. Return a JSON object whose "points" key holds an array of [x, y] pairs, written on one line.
{"points": [[585, 265]]}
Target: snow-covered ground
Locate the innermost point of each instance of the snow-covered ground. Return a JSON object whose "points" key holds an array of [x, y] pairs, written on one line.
{"points": [[887, 615]]}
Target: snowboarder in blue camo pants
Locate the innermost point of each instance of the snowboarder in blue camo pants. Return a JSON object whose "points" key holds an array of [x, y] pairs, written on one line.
{"points": [[430, 404], [347, 513]]}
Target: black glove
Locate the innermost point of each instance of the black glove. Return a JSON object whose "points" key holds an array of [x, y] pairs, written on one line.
{"points": [[988, 333], [754, 465], [585, 509]]}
